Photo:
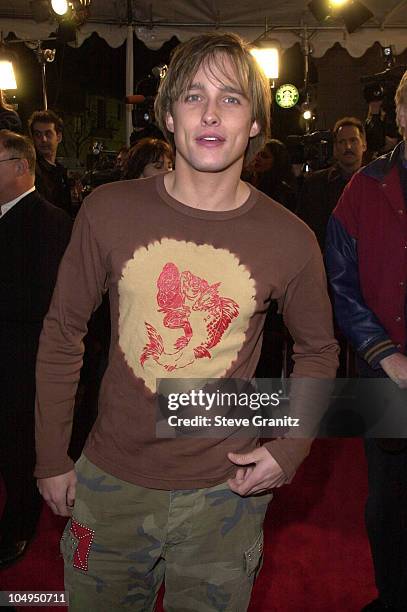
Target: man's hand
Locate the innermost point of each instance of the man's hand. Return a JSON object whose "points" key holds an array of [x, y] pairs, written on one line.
{"points": [[59, 492], [395, 367], [259, 473]]}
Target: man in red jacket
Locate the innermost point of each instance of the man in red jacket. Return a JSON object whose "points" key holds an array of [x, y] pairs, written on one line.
{"points": [[366, 254]]}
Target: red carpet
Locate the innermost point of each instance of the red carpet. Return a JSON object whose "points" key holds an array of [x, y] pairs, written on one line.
{"points": [[316, 552]]}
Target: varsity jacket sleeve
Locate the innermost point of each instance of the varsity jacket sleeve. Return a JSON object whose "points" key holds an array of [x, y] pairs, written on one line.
{"points": [[78, 292], [358, 323]]}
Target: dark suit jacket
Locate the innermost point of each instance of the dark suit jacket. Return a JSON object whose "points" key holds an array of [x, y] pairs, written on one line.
{"points": [[51, 181], [320, 193], [33, 238]]}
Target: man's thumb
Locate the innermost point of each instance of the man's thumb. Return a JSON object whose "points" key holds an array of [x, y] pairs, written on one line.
{"points": [[246, 459], [70, 495]]}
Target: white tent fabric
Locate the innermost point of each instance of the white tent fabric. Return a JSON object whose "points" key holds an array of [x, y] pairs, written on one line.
{"points": [[155, 21]]}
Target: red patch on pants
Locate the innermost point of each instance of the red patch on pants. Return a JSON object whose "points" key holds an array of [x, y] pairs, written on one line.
{"points": [[84, 535]]}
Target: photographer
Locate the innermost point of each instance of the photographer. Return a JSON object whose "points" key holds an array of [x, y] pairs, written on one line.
{"points": [[321, 190], [382, 133], [381, 130]]}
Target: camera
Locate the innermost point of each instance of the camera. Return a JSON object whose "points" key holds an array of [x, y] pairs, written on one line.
{"points": [[315, 150], [381, 87]]}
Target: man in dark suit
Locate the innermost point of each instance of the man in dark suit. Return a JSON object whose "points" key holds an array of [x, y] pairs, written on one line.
{"points": [[51, 178], [322, 189], [33, 237]]}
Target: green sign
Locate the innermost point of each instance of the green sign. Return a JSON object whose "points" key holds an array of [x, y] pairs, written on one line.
{"points": [[287, 95]]}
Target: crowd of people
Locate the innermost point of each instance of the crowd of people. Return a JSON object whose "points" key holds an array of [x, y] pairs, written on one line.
{"points": [[175, 269]]}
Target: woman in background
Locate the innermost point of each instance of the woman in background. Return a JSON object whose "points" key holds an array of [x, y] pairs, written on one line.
{"points": [[148, 157], [271, 173], [9, 119]]}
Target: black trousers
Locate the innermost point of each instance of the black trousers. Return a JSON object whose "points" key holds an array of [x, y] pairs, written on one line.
{"points": [[17, 459], [386, 511], [386, 522]]}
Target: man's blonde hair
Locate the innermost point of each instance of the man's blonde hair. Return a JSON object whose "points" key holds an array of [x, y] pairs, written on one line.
{"points": [[210, 51], [401, 100]]}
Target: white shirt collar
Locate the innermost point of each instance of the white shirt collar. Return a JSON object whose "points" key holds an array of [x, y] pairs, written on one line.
{"points": [[8, 205]]}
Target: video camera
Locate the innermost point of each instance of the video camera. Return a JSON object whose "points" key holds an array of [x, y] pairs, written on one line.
{"points": [[313, 150], [381, 87]]}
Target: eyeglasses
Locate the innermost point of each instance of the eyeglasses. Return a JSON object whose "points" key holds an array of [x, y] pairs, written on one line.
{"points": [[9, 159]]}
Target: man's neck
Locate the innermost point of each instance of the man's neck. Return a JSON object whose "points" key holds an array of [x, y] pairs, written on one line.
{"points": [[16, 193], [51, 159], [216, 191], [348, 171]]}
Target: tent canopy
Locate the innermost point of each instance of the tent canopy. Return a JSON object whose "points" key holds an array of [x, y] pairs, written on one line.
{"points": [[155, 21]]}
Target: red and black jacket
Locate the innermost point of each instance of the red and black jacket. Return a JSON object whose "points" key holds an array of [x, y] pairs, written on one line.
{"points": [[366, 257]]}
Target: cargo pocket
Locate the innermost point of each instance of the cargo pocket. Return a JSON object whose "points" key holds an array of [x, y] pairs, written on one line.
{"points": [[67, 545], [253, 557], [76, 543]]}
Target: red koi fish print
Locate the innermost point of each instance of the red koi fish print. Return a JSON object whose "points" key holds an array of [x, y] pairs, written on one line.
{"points": [[193, 306]]}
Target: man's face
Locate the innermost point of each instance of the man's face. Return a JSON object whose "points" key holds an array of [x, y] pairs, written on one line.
{"points": [[121, 159], [263, 161], [212, 122], [7, 175], [46, 139], [349, 147]]}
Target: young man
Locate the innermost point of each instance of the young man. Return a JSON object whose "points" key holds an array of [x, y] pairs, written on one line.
{"points": [[51, 179], [366, 255], [191, 260]]}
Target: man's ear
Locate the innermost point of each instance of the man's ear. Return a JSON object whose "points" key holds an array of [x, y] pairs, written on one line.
{"points": [[254, 130], [169, 122], [59, 137], [22, 167]]}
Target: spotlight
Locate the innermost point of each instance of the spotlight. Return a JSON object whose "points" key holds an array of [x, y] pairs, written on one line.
{"points": [[60, 7], [352, 12], [307, 115], [7, 76], [320, 9], [337, 3], [355, 14], [267, 57], [266, 51]]}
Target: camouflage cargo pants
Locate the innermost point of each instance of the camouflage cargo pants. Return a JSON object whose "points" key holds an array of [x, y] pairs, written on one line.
{"points": [[123, 540]]}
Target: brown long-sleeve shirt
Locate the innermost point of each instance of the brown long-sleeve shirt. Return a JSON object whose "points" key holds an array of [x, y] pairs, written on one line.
{"points": [[189, 290]]}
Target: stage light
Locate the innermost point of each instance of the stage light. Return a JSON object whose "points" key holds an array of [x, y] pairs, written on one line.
{"points": [[320, 9], [268, 59], [355, 14], [338, 3], [60, 7], [7, 76], [352, 12]]}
